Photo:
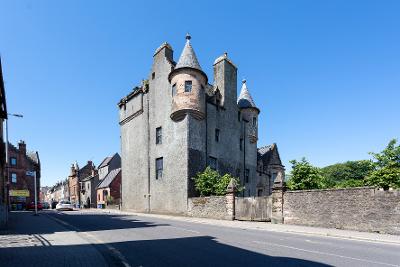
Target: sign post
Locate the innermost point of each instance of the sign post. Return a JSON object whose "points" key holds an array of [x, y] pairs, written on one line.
{"points": [[33, 173]]}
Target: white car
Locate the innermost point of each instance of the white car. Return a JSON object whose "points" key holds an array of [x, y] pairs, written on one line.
{"points": [[64, 205]]}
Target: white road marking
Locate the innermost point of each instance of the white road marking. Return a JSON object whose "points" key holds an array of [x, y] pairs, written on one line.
{"points": [[108, 246], [325, 253]]}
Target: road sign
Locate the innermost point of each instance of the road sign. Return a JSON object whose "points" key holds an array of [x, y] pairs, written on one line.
{"points": [[30, 173], [19, 193]]}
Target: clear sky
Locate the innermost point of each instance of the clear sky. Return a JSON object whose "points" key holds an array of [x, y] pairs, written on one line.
{"points": [[325, 74]]}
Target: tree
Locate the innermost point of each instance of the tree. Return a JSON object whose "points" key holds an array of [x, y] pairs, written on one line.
{"points": [[387, 167], [305, 176], [211, 183], [347, 174]]}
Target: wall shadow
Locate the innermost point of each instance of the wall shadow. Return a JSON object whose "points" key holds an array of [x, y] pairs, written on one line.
{"points": [[188, 251]]}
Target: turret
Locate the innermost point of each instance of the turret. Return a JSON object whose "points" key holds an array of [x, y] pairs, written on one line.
{"points": [[188, 83], [249, 112]]}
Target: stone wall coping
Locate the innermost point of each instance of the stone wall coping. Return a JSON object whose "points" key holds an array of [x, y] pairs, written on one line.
{"points": [[334, 189]]}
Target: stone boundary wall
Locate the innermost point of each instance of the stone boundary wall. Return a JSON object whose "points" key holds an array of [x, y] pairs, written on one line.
{"points": [[213, 207], [361, 209]]}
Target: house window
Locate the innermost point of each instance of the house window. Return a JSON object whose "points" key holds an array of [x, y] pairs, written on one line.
{"points": [[159, 135], [88, 186], [273, 177], [188, 86], [239, 116], [241, 144], [212, 162], [13, 177], [153, 75], [259, 192], [174, 89], [246, 175], [254, 121], [238, 173], [216, 135], [13, 161], [159, 168]]}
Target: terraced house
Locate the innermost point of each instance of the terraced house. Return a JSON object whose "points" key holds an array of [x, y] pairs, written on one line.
{"points": [[177, 122]]}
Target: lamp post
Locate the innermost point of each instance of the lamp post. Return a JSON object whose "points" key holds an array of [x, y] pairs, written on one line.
{"points": [[7, 156]]}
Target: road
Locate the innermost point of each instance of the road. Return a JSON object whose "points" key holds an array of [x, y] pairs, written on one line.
{"points": [[98, 239]]}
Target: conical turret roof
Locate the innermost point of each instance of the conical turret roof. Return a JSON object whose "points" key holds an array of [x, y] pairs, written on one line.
{"points": [[245, 100], [188, 57]]}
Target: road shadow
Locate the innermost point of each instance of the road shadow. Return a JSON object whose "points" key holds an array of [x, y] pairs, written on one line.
{"points": [[188, 251], [26, 223]]}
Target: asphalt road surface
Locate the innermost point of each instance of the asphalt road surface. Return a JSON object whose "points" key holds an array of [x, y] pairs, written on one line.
{"points": [[127, 240]]}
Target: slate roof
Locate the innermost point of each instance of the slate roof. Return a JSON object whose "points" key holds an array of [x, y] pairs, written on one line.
{"points": [[245, 100], [266, 153], [188, 57], [33, 156], [105, 162], [89, 178], [109, 178]]}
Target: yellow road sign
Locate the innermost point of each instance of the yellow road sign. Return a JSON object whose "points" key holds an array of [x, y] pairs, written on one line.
{"points": [[19, 193]]}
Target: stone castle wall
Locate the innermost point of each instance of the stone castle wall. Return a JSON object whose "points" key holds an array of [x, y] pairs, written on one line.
{"points": [[361, 209], [213, 207]]}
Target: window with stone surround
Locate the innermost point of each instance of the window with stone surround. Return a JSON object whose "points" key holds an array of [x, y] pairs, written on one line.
{"points": [[188, 86], [216, 135], [159, 135], [254, 121], [212, 162], [13, 177], [174, 89], [159, 168], [13, 161]]}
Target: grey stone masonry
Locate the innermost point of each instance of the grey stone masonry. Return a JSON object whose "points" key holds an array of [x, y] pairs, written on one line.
{"points": [[361, 209]]}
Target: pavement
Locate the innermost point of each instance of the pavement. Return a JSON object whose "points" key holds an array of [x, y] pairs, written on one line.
{"points": [[105, 238]]}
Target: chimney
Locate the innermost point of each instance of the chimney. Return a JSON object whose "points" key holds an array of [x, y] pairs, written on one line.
{"points": [[73, 170], [22, 147]]}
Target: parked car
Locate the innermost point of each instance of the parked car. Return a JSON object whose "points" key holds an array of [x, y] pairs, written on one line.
{"points": [[31, 206], [64, 205], [46, 205]]}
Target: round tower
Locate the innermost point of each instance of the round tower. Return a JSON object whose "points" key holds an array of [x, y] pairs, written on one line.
{"points": [[249, 112], [188, 83]]}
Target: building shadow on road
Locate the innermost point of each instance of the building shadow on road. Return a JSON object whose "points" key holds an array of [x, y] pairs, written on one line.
{"points": [[188, 251], [26, 223]]}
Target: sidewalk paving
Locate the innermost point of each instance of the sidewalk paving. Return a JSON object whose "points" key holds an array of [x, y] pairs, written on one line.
{"points": [[40, 241], [267, 226]]}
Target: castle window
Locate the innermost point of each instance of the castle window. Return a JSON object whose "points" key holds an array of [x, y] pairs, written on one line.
{"points": [[237, 173], [174, 89], [247, 175], [159, 135], [13, 161], [188, 86], [241, 144], [13, 177], [216, 135], [159, 168], [153, 75], [254, 121], [212, 162], [259, 192], [239, 116]]}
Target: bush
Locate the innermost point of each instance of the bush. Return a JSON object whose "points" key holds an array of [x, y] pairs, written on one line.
{"points": [[211, 183]]}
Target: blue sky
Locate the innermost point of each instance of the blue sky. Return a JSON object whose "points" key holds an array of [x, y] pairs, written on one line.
{"points": [[325, 74]]}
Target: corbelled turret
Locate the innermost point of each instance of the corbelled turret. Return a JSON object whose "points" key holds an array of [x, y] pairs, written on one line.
{"points": [[249, 112], [187, 85]]}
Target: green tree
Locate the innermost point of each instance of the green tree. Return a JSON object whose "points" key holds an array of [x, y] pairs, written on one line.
{"points": [[305, 176], [347, 174], [387, 167], [211, 183]]}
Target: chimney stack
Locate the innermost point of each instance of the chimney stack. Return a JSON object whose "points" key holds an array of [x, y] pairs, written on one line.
{"points": [[22, 147]]}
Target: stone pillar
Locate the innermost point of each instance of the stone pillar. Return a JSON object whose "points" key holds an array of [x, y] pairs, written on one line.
{"points": [[230, 200], [278, 191]]}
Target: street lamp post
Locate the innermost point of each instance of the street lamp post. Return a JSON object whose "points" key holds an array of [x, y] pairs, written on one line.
{"points": [[7, 156]]}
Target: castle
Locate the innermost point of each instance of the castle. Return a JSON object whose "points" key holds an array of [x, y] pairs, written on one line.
{"points": [[177, 123]]}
